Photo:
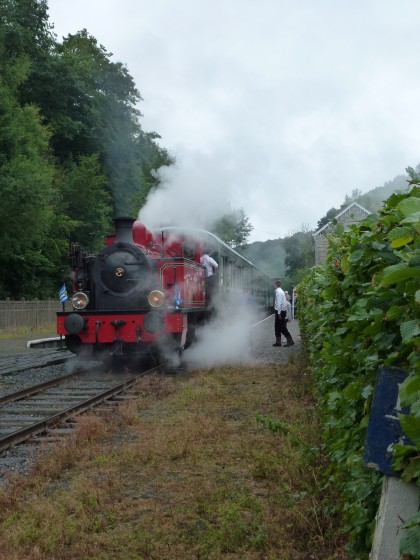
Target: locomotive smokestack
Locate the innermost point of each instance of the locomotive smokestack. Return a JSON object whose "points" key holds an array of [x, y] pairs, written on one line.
{"points": [[124, 230]]}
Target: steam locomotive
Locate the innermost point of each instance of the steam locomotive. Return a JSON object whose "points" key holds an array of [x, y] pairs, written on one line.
{"points": [[146, 293]]}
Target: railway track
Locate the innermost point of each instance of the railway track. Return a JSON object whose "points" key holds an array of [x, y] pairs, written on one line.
{"points": [[33, 410]]}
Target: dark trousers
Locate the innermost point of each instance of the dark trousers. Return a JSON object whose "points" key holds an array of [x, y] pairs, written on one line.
{"points": [[280, 325]]}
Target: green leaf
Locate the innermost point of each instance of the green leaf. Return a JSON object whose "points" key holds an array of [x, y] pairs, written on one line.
{"points": [[401, 455], [408, 206], [412, 219], [409, 329], [378, 246], [394, 312], [397, 273], [410, 390], [401, 236], [412, 470], [414, 260], [356, 255], [345, 266], [410, 542], [415, 177], [411, 427], [367, 391]]}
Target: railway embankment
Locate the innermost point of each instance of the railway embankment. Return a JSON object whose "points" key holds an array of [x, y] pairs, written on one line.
{"points": [[217, 462]]}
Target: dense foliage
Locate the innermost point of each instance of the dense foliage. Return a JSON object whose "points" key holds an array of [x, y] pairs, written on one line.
{"points": [[72, 153], [358, 311]]}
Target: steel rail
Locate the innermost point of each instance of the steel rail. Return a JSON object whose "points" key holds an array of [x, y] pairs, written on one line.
{"points": [[23, 434], [34, 389]]}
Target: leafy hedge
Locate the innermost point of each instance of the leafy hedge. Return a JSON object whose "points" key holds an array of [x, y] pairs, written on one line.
{"points": [[358, 311]]}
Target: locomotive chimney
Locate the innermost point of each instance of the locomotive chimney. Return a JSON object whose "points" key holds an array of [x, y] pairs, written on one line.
{"points": [[124, 230]]}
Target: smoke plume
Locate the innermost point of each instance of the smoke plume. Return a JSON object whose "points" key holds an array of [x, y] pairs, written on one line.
{"points": [[192, 193]]}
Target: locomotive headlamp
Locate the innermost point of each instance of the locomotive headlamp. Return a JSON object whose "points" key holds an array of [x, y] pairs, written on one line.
{"points": [[156, 298], [79, 300]]}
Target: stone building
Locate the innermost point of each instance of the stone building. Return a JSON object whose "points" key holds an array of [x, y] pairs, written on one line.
{"points": [[350, 215]]}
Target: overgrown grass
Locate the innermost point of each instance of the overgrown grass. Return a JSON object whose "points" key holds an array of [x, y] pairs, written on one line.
{"points": [[19, 332], [185, 471]]}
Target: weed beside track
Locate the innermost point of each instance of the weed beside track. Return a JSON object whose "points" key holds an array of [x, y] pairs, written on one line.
{"points": [[188, 470]]}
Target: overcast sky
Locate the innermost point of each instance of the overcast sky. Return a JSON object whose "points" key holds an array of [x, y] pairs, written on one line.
{"points": [[281, 107]]}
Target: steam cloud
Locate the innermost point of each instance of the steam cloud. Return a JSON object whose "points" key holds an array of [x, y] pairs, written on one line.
{"points": [[227, 340], [193, 193]]}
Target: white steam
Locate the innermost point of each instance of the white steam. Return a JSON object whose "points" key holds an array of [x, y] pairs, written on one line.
{"points": [[194, 193], [227, 339]]}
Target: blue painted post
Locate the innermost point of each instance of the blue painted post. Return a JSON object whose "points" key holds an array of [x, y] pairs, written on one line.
{"points": [[384, 428], [399, 499]]}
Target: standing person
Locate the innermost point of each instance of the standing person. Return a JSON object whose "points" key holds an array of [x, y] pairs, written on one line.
{"points": [[209, 263], [280, 321], [288, 312], [210, 267]]}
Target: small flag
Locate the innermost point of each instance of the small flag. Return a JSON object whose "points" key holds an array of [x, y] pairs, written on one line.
{"points": [[62, 294], [177, 296]]}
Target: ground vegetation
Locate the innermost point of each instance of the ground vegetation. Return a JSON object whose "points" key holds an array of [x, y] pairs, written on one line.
{"points": [[220, 463]]}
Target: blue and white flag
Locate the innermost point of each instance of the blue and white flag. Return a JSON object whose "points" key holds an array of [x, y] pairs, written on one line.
{"points": [[177, 296], [62, 294]]}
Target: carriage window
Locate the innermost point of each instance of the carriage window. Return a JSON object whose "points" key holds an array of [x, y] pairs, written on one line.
{"points": [[227, 272], [188, 249]]}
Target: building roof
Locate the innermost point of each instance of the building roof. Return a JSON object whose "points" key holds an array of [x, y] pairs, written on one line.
{"points": [[340, 214]]}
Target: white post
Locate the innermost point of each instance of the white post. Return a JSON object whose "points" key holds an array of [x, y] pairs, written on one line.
{"points": [[399, 501]]}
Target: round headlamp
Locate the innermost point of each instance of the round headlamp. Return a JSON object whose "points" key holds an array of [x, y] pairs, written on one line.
{"points": [[79, 300], [156, 298]]}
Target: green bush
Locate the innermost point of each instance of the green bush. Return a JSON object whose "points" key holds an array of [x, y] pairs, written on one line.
{"points": [[358, 311]]}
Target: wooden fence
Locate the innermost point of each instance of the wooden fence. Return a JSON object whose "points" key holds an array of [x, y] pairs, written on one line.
{"points": [[30, 314]]}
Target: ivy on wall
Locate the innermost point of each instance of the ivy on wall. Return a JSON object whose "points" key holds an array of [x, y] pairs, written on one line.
{"points": [[360, 310]]}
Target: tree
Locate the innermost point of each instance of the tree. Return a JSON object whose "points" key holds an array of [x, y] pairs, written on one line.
{"points": [[330, 215], [96, 112], [28, 200], [300, 251], [72, 150], [355, 194], [152, 157], [86, 202], [300, 257], [233, 228]]}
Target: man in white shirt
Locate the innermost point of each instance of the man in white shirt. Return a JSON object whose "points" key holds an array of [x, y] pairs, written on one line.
{"points": [[280, 321], [209, 264], [210, 267]]}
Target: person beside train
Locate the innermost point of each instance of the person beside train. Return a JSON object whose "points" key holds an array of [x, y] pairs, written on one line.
{"points": [[280, 321], [210, 267], [288, 310], [209, 263]]}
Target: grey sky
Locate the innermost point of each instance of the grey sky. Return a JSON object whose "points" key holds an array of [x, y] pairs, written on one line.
{"points": [[279, 106]]}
